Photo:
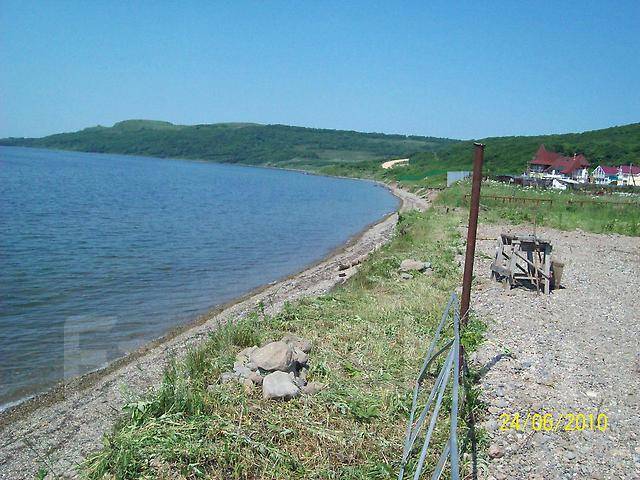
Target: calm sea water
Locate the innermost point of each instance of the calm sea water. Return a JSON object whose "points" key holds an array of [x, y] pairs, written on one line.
{"points": [[101, 253]]}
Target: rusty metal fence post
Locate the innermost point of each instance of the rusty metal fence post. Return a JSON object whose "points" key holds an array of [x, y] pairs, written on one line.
{"points": [[471, 233]]}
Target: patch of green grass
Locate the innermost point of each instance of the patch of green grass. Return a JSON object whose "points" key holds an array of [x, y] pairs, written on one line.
{"points": [[369, 338], [41, 474], [596, 215]]}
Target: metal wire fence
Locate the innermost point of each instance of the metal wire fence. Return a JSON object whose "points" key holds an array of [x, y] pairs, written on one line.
{"points": [[450, 370]]}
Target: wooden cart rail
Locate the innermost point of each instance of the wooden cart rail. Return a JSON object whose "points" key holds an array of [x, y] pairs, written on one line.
{"points": [[523, 259]]}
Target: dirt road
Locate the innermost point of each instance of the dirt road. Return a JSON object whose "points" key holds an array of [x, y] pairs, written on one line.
{"points": [[573, 352]]}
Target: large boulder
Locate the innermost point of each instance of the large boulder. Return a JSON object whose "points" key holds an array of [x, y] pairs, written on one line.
{"points": [[297, 342], [411, 265], [279, 386], [273, 356]]}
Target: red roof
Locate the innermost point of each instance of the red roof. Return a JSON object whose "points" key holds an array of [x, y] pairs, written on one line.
{"points": [[628, 169], [609, 170], [544, 157], [556, 161]]}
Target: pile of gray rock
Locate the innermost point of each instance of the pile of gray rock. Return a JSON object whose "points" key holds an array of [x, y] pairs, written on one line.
{"points": [[280, 368], [410, 266]]}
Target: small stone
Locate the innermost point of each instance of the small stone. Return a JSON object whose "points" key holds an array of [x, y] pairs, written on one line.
{"points": [[297, 342], [495, 451], [490, 425], [273, 356], [247, 384], [312, 388], [252, 366], [411, 265], [570, 455], [243, 355], [300, 357], [618, 452], [406, 276], [227, 377], [240, 370], [256, 378], [279, 386], [501, 403], [591, 394]]}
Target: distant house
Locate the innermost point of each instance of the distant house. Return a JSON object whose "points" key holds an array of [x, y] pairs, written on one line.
{"points": [[603, 175], [549, 164], [629, 175], [622, 175]]}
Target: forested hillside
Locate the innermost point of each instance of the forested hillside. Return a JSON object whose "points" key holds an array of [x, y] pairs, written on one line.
{"points": [[254, 144], [506, 155], [610, 146]]}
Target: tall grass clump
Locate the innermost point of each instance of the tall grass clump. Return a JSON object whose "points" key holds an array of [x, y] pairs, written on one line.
{"points": [[369, 337]]}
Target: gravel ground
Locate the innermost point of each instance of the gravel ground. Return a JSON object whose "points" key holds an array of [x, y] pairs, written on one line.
{"points": [[574, 351], [58, 429]]}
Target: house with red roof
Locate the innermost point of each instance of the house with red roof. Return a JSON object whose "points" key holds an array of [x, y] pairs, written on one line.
{"points": [[629, 175], [550, 164], [604, 175], [622, 175]]}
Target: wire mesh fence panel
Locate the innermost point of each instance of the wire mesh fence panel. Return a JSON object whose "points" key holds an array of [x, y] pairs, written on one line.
{"points": [[430, 414]]}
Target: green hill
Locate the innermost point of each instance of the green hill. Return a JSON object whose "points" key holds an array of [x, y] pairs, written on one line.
{"points": [[247, 143], [505, 155], [610, 146]]}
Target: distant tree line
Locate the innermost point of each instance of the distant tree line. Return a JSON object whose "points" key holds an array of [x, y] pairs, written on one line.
{"points": [[234, 143]]}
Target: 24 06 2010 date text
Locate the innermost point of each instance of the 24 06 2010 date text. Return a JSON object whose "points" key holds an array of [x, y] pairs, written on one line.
{"points": [[550, 422]]}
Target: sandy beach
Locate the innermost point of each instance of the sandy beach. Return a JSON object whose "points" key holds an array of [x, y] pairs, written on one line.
{"points": [[58, 429]]}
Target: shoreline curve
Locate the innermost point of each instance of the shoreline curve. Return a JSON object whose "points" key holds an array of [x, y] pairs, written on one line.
{"points": [[68, 421]]}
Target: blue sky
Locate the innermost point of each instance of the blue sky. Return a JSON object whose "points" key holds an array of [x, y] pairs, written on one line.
{"points": [[454, 69]]}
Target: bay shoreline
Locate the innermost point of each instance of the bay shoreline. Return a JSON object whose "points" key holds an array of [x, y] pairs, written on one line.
{"points": [[57, 429]]}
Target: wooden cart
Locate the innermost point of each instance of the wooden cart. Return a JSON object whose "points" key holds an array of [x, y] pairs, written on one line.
{"points": [[523, 260]]}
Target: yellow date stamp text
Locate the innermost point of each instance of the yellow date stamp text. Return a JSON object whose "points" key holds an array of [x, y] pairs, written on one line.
{"points": [[553, 422]]}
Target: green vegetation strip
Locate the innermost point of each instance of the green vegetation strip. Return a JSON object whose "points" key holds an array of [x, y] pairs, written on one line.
{"points": [[564, 210], [369, 338]]}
